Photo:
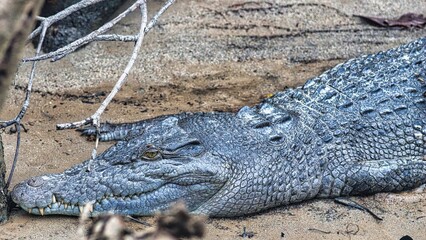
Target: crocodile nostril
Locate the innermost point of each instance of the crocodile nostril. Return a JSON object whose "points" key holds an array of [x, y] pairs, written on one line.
{"points": [[35, 181]]}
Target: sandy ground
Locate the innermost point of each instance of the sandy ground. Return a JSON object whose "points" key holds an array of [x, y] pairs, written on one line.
{"points": [[210, 56]]}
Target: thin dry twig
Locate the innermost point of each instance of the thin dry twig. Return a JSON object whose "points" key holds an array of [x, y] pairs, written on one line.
{"points": [[47, 22], [117, 37], [17, 120], [72, 47], [94, 119], [15, 158], [134, 38], [348, 202], [25, 106], [96, 35]]}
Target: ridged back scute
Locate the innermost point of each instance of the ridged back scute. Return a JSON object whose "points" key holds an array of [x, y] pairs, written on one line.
{"points": [[383, 86], [269, 121], [370, 95]]}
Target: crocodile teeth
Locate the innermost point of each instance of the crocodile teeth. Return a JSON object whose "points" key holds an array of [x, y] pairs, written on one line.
{"points": [[41, 210], [53, 198], [81, 208], [65, 205], [30, 210], [90, 207]]}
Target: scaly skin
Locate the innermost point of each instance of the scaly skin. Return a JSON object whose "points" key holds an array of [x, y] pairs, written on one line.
{"points": [[359, 128]]}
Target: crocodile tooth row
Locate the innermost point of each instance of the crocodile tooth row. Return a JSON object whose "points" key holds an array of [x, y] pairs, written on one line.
{"points": [[42, 210], [66, 205], [80, 207]]}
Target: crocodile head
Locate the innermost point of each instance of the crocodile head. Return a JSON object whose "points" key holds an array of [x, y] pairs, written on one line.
{"points": [[140, 176]]}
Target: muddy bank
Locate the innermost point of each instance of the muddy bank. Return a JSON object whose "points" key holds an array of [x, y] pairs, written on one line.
{"points": [[211, 56]]}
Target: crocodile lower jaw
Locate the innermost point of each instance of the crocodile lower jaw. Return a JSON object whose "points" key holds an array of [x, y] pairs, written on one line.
{"points": [[66, 208]]}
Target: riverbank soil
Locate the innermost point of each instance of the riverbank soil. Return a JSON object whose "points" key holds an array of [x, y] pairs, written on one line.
{"points": [[210, 56]]}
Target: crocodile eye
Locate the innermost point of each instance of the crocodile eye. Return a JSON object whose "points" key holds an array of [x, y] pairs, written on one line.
{"points": [[151, 153]]}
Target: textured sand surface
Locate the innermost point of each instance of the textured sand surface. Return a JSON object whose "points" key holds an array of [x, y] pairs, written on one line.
{"points": [[211, 56]]}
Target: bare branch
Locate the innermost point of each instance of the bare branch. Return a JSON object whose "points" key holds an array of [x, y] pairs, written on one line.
{"points": [[74, 125], [95, 35], [47, 22], [126, 72], [159, 13], [134, 38], [15, 158], [117, 37], [94, 119], [62, 52], [18, 118], [40, 18], [26, 104]]}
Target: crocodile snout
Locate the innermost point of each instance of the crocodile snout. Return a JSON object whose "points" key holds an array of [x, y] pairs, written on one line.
{"points": [[34, 192]]}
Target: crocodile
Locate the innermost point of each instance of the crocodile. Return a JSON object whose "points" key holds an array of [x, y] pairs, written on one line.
{"points": [[357, 129]]}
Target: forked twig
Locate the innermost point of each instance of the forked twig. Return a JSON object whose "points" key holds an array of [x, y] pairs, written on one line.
{"points": [[133, 38], [26, 104], [47, 22], [17, 120], [63, 51], [96, 35], [94, 119]]}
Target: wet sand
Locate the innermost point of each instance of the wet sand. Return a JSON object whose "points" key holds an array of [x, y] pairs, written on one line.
{"points": [[209, 70]]}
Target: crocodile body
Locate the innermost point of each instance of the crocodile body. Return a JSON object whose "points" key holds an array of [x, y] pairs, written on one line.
{"points": [[359, 128]]}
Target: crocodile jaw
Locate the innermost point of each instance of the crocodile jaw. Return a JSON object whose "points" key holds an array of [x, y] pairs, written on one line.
{"points": [[144, 192]]}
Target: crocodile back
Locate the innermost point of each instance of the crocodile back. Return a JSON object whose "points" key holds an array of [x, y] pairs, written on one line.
{"points": [[371, 107]]}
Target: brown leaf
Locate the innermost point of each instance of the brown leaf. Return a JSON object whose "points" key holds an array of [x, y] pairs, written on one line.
{"points": [[408, 20]]}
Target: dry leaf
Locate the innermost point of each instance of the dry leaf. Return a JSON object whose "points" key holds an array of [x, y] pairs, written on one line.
{"points": [[409, 20]]}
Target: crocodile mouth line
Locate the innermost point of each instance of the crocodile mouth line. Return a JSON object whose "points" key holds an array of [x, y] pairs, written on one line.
{"points": [[60, 206], [57, 205]]}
